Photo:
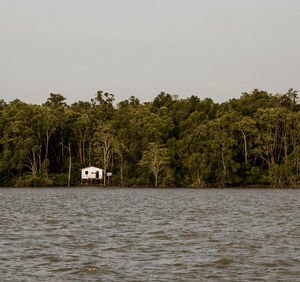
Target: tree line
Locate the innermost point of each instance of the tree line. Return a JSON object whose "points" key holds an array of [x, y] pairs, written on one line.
{"points": [[169, 142]]}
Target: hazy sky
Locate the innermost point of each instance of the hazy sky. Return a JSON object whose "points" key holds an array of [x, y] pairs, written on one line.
{"points": [[209, 48]]}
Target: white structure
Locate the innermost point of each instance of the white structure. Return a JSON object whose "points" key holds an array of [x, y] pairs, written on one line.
{"points": [[92, 173]]}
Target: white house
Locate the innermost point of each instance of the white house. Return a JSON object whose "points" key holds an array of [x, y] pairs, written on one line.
{"points": [[92, 173]]}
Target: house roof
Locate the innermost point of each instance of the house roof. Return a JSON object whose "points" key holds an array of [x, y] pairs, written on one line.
{"points": [[91, 167]]}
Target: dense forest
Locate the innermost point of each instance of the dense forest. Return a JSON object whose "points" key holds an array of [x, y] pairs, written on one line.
{"points": [[169, 142]]}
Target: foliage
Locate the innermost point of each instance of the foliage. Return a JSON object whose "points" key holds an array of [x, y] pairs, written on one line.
{"points": [[168, 142], [155, 158]]}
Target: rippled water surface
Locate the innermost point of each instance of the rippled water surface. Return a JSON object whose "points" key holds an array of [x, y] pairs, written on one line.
{"points": [[92, 234]]}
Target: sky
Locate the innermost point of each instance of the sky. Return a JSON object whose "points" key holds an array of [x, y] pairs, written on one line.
{"points": [[209, 48]]}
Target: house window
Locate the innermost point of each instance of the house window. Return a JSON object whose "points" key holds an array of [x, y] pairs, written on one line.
{"points": [[86, 172]]}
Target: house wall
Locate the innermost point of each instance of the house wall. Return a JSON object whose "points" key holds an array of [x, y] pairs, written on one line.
{"points": [[91, 173]]}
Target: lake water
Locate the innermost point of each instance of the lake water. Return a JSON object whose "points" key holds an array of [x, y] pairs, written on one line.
{"points": [[97, 234]]}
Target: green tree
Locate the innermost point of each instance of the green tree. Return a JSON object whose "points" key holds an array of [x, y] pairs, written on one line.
{"points": [[155, 158], [103, 144]]}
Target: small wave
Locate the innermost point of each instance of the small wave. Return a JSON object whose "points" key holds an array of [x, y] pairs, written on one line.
{"points": [[52, 221], [63, 269], [53, 259], [224, 261], [277, 263], [92, 269]]}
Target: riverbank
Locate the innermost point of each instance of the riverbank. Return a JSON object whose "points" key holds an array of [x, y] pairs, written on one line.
{"points": [[258, 186]]}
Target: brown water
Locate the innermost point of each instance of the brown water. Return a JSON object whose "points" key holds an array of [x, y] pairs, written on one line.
{"points": [[90, 234]]}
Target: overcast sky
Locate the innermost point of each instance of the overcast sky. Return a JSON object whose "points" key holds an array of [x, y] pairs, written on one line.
{"points": [[209, 48]]}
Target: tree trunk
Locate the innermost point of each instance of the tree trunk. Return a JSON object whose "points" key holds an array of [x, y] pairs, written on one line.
{"points": [[83, 150], [34, 163], [245, 147], [47, 144], [62, 147], [40, 158], [79, 150], [121, 169], [285, 149], [156, 178], [199, 179], [90, 149], [70, 165], [223, 163], [272, 158]]}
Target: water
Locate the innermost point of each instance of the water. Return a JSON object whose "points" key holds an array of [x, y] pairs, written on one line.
{"points": [[92, 234]]}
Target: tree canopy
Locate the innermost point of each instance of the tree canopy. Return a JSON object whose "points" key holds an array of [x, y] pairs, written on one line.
{"points": [[252, 140]]}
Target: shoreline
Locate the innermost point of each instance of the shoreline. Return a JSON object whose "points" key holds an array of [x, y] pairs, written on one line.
{"points": [[159, 188]]}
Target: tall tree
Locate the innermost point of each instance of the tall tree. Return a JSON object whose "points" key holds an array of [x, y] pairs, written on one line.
{"points": [[103, 142], [155, 158]]}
